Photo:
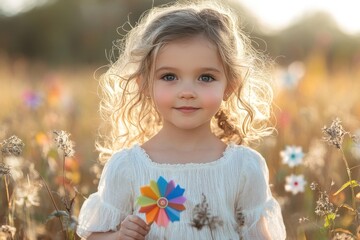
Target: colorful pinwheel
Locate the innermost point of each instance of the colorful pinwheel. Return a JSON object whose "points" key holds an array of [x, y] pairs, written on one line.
{"points": [[161, 201]]}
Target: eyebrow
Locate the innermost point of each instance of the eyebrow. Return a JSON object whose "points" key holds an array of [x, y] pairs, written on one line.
{"points": [[207, 69]]}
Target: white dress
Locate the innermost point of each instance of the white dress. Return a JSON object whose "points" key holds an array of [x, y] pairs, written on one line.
{"points": [[235, 186]]}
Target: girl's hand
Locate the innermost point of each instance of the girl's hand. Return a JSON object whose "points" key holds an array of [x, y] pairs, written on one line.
{"points": [[133, 228]]}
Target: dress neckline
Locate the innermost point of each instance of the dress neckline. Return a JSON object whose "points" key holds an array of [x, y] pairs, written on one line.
{"points": [[223, 158]]}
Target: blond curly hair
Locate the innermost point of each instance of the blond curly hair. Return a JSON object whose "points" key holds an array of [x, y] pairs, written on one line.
{"points": [[129, 115]]}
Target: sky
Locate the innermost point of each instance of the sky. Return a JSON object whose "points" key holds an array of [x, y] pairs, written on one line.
{"points": [[272, 14]]}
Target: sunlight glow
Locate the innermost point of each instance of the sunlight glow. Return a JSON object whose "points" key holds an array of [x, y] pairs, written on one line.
{"points": [[276, 14]]}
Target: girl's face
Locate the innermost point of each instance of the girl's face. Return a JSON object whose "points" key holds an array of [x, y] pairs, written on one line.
{"points": [[189, 82]]}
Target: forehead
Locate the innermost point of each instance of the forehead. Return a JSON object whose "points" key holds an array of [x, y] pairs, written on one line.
{"points": [[189, 52]]}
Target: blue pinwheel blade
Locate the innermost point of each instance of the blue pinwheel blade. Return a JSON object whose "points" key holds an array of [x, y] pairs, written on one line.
{"points": [[173, 214], [162, 184], [176, 192]]}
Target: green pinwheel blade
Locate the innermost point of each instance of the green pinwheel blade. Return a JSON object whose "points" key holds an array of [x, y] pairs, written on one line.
{"points": [[145, 201], [154, 187]]}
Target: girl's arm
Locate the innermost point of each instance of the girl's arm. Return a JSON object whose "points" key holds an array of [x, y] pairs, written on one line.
{"points": [[132, 228], [264, 229]]}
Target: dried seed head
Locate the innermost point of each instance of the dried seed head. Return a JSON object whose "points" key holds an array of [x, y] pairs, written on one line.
{"points": [[8, 231], [240, 218], [12, 146], [202, 216], [64, 143], [323, 205], [303, 220], [4, 170], [343, 236], [314, 186], [334, 135]]}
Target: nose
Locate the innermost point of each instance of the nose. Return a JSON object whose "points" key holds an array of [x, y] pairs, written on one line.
{"points": [[187, 94], [187, 91]]}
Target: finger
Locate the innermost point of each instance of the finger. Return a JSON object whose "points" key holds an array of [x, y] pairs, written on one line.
{"points": [[138, 221], [136, 228], [135, 224], [130, 234]]}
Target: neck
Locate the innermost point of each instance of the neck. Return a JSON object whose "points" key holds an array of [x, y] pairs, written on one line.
{"points": [[170, 137]]}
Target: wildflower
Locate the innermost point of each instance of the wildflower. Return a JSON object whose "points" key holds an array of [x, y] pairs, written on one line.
{"points": [[4, 170], [26, 194], [202, 216], [8, 231], [334, 135], [315, 157], [12, 146], [32, 99], [292, 156], [16, 164], [290, 77], [323, 205], [295, 184], [64, 143]]}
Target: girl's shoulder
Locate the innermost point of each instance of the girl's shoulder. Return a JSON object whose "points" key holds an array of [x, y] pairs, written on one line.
{"points": [[248, 158], [119, 158]]}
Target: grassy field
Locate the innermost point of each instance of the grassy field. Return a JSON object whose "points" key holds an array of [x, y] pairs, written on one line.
{"points": [[36, 99]]}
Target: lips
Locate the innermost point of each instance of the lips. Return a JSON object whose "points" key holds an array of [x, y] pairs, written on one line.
{"points": [[187, 109]]}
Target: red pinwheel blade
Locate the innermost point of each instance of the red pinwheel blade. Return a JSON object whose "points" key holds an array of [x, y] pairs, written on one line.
{"points": [[178, 207], [147, 208]]}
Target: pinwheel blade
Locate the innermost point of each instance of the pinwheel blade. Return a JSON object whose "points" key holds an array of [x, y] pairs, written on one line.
{"points": [[152, 215], [170, 187], [178, 200], [177, 192], [148, 192], [162, 218], [178, 207], [147, 208], [162, 184], [145, 201], [173, 214], [154, 187]]}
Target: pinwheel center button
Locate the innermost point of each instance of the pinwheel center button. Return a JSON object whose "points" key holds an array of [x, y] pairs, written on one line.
{"points": [[162, 202]]}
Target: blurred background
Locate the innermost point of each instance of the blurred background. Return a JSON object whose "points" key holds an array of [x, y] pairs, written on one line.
{"points": [[50, 51]]}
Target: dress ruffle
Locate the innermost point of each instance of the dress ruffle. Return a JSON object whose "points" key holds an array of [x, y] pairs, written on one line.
{"points": [[266, 217], [98, 216]]}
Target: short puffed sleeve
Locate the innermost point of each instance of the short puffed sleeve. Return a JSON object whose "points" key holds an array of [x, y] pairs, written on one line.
{"points": [[105, 209], [261, 213]]}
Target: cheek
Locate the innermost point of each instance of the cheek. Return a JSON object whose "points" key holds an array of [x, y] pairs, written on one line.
{"points": [[162, 97], [213, 97]]}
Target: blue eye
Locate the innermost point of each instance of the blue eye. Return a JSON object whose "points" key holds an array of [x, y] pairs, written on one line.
{"points": [[169, 77], [206, 78]]}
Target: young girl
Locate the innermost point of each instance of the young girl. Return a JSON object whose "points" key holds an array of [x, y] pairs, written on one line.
{"points": [[185, 95]]}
